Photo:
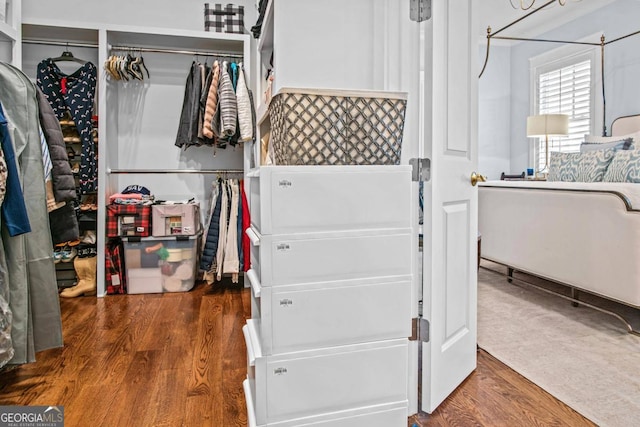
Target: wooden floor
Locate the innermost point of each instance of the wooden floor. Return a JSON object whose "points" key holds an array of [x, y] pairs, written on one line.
{"points": [[179, 360]]}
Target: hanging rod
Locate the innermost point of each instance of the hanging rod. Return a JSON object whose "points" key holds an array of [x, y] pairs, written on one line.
{"points": [[182, 52], [59, 43], [163, 171]]}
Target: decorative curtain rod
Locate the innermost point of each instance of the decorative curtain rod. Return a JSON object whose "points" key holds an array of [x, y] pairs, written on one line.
{"points": [[163, 171], [602, 44], [182, 52]]}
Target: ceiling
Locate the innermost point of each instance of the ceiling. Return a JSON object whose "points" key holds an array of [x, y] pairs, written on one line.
{"points": [[498, 13]]}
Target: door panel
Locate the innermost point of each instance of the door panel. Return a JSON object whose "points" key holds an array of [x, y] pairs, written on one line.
{"points": [[450, 222], [456, 218]]}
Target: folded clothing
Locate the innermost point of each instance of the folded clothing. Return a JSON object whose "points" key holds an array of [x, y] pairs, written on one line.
{"points": [[136, 196]]}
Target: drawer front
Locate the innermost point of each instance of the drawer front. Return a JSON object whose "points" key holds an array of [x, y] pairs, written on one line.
{"points": [[318, 382], [295, 318], [299, 259], [387, 415], [314, 199]]}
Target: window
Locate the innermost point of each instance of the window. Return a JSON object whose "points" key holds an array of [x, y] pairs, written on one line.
{"points": [[564, 84]]}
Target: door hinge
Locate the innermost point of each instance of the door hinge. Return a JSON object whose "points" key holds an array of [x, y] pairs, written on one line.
{"points": [[421, 169], [419, 329], [420, 10]]}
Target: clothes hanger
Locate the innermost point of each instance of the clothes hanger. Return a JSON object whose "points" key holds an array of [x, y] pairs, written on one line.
{"points": [[67, 55]]}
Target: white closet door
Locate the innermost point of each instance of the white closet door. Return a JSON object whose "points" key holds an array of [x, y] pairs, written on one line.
{"points": [[450, 278]]}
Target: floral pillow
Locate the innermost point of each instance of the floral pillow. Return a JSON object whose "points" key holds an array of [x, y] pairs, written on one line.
{"points": [[625, 167], [589, 166]]}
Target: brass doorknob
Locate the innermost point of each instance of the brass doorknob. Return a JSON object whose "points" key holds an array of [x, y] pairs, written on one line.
{"points": [[476, 177]]}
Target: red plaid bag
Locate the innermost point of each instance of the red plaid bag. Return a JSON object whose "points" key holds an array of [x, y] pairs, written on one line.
{"points": [[116, 279], [128, 220]]}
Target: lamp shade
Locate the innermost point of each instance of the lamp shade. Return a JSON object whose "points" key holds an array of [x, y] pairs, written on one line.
{"points": [[547, 125]]}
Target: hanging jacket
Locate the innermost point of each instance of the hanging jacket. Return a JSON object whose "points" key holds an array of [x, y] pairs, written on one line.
{"points": [[14, 209], [245, 122], [207, 135], [212, 100], [188, 126], [64, 185], [204, 88], [64, 224], [74, 93], [210, 244], [227, 104], [231, 262], [222, 236]]}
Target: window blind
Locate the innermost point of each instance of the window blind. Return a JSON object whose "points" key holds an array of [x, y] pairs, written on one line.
{"points": [[566, 90]]}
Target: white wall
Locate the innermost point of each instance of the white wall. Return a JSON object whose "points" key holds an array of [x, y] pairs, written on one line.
{"points": [[494, 114], [179, 14]]}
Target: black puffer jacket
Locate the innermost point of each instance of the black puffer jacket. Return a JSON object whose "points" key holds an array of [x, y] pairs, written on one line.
{"points": [[64, 185]]}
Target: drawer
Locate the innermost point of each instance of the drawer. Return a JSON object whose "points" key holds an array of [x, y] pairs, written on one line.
{"points": [[303, 199], [387, 415], [304, 317], [326, 257], [324, 381]]}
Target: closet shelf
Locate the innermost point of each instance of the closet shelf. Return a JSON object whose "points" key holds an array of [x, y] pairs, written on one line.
{"points": [[265, 42], [7, 32]]}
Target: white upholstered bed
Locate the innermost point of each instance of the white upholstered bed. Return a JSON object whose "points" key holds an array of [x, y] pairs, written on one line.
{"points": [[582, 234]]}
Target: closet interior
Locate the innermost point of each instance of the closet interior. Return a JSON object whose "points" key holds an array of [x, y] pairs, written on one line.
{"points": [[50, 52], [142, 119], [137, 118]]}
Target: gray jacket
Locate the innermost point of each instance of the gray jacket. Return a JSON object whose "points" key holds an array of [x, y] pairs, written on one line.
{"points": [[64, 185]]}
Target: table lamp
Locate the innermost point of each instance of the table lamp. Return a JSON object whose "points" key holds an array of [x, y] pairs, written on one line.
{"points": [[547, 125]]}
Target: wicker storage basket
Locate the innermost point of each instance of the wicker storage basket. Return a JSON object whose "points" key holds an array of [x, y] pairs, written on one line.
{"points": [[332, 127]]}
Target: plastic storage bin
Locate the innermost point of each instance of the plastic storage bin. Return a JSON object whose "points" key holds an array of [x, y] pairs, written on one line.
{"points": [[337, 127], [156, 264]]}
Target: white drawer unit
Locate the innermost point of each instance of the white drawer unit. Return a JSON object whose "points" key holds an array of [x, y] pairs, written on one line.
{"points": [[303, 317], [299, 385], [394, 414], [326, 257], [303, 199]]}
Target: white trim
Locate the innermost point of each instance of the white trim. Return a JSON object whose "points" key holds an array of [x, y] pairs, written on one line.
{"points": [[565, 56]]}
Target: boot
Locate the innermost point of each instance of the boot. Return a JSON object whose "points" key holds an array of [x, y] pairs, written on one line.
{"points": [[86, 273]]}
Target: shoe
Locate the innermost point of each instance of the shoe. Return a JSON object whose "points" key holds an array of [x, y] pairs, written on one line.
{"points": [[75, 168], [89, 203], [67, 122], [57, 255], [87, 250], [89, 237], [68, 254], [86, 273]]}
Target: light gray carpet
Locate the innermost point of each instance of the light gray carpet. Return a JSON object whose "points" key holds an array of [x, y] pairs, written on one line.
{"points": [[582, 357]]}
